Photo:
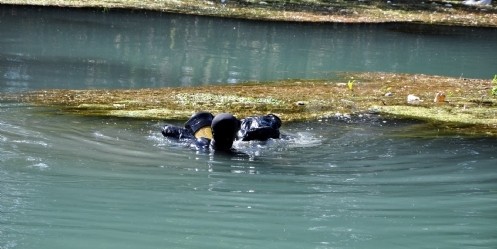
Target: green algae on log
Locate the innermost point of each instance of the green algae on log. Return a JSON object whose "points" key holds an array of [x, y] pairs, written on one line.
{"points": [[469, 103]]}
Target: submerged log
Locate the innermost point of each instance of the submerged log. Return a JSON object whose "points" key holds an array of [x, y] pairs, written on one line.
{"points": [[468, 103]]}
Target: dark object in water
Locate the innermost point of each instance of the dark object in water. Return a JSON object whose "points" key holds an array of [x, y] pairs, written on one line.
{"points": [[219, 132], [260, 128]]}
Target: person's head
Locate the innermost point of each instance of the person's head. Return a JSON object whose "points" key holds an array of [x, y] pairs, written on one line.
{"points": [[224, 129]]}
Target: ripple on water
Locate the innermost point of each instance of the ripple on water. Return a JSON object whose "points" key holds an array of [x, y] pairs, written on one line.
{"points": [[333, 185]]}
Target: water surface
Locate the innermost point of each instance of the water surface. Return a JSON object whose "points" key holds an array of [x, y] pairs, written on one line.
{"points": [[109, 183], [67, 48], [84, 182]]}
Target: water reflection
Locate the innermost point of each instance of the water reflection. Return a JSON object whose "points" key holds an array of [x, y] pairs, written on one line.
{"points": [[67, 48]]}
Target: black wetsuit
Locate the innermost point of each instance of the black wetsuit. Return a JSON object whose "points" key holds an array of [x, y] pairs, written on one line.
{"points": [[225, 129]]}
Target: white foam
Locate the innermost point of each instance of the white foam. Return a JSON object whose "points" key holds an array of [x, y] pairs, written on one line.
{"points": [[41, 166]]}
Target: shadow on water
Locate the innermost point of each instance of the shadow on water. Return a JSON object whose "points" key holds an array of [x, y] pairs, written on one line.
{"points": [[434, 30]]}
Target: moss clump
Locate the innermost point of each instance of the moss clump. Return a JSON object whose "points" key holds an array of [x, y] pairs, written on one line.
{"points": [[447, 115]]}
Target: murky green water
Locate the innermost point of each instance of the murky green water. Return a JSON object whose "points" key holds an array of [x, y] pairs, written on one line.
{"points": [[47, 48], [80, 182], [92, 183]]}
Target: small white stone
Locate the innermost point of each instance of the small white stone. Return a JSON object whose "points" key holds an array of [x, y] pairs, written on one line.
{"points": [[413, 99]]}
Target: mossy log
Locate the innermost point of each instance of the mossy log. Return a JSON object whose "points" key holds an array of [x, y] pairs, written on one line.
{"points": [[468, 103]]}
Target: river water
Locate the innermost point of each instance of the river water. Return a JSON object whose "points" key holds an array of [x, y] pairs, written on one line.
{"points": [[62, 48], [84, 182]]}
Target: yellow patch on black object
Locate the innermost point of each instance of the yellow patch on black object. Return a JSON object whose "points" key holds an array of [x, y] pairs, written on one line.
{"points": [[205, 131]]}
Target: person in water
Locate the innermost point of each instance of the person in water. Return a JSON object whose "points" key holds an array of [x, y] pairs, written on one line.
{"points": [[219, 132]]}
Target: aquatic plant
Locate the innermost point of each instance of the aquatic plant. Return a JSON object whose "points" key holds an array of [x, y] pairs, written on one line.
{"points": [[494, 88], [350, 84]]}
